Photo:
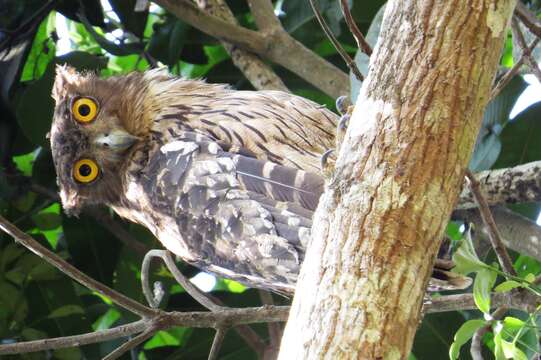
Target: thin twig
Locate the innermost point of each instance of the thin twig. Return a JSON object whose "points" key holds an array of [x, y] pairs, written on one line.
{"points": [[68, 269], [519, 37], [349, 61], [275, 330], [74, 340], [488, 219], [217, 343], [528, 18], [357, 34], [130, 344], [190, 288], [159, 321], [513, 71]]}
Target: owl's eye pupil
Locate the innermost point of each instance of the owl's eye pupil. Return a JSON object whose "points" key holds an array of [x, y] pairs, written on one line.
{"points": [[85, 170], [84, 110]]}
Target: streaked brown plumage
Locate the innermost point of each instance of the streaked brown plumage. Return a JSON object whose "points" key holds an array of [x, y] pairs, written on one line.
{"points": [[225, 179]]}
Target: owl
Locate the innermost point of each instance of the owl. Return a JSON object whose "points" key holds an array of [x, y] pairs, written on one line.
{"points": [[227, 180]]}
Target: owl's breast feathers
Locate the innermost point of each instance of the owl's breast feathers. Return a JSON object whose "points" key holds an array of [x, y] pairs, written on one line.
{"points": [[240, 217]]}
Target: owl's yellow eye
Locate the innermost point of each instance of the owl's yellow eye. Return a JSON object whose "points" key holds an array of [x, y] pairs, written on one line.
{"points": [[84, 109], [85, 171]]}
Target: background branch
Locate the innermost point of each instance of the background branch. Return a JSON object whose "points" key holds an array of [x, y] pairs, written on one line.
{"points": [[526, 53], [528, 18], [347, 59], [277, 46], [357, 34], [488, 219], [518, 184], [260, 75]]}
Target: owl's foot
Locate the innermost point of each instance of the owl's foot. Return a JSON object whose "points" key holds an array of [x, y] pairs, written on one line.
{"points": [[327, 163], [342, 104], [341, 129]]}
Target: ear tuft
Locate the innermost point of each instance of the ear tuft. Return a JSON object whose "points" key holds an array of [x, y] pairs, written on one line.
{"points": [[65, 76]]}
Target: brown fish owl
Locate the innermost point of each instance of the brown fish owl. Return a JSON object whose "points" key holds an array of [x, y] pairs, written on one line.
{"points": [[216, 174]]}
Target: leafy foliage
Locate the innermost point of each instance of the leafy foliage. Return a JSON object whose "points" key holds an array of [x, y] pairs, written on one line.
{"points": [[37, 301]]}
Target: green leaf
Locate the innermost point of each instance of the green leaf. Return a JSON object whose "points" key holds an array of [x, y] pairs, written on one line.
{"points": [[43, 50], [68, 354], [488, 145], [529, 278], [507, 286], [43, 271], [66, 310], [520, 138], [511, 351], [512, 324], [466, 259], [9, 253], [132, 21], [463, 335], [298, 13], [47, 221], [234, 286], [106, 320], [172, 337], [482, 285], [33, 334]]}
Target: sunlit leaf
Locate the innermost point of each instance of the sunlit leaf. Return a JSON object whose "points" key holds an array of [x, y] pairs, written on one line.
{"points": [[463, 335], [466, 259], [507, 286], [482, 285]]}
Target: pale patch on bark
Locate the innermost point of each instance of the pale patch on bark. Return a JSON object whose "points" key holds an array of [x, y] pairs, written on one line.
{"points": [[497, 19], [369, 111]]}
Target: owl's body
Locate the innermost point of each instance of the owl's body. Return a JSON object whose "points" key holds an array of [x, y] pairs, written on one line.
{"points": [[216, 174], [225, 179]]}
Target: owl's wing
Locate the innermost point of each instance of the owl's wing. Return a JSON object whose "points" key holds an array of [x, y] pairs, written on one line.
{"points": [[239, 217]]}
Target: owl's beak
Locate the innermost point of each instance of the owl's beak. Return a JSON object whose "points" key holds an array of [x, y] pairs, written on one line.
{"points": [[70, 202], [116, 140]]}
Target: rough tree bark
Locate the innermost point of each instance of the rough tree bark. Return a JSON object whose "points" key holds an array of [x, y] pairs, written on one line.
{"points": [[397, 178]]}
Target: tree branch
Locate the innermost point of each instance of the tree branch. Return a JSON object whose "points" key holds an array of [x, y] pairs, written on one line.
{"points": [[528, 18], [519, 37], [74, 340], [260, 75], [186, 284], [264, 16], [525, 301], [277, 46], [488, 219], [518, 184], [512, 72], [130, 344], [217, 343], [347, 59], [357, 34]]}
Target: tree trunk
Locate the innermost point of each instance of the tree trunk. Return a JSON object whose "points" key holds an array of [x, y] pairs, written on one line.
{"points": [[397, 178]]}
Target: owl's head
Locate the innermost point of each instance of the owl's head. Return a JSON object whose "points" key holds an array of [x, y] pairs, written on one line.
{"points": [[96, 123]]}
